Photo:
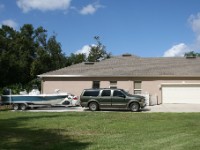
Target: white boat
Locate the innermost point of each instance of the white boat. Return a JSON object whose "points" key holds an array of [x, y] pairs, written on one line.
{"points": [[34, 99]]}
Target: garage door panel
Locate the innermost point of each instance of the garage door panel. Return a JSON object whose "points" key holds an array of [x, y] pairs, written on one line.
{"points": [[185, 94]]}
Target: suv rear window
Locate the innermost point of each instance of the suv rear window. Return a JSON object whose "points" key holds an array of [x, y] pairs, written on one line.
{"points": [[91, 93]]}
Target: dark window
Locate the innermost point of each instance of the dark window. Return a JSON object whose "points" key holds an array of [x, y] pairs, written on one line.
{"points": [[91, 93], [118, 93], [113, 87], [96, 84], [106, 93]]}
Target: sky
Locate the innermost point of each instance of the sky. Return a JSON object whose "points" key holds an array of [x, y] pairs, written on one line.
{"points": [[146, 28]]}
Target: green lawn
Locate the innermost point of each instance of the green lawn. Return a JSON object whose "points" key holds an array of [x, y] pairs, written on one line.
{"points": [[99, 130]]}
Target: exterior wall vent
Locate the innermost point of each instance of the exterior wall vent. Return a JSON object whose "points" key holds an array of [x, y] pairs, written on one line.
{"points": [[127, 55], [190, 57], [89, 63]]}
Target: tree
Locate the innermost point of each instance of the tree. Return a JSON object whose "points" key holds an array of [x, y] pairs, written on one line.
{"points": [[75, 59], [192, 54], [26, 53], [98, 52], [7, 35], [57, 57]]}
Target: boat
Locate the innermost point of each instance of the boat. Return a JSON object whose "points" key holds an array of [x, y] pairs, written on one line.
{"points": [[33, 99]]}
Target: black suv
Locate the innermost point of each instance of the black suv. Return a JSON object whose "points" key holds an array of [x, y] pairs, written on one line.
{"points": [[97, 99]]}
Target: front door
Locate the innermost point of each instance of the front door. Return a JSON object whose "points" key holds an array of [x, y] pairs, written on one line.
{"points": [[118, 99]]}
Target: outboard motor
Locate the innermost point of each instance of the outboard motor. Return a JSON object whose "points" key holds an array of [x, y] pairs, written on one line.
{"points": [[6, 91]]}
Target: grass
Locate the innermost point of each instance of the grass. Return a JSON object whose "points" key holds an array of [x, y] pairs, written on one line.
{"points": [[99, 131]]}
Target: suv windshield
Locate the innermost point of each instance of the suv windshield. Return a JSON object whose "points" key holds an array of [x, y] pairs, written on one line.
{"points": [[118, 93], [128, 94]]}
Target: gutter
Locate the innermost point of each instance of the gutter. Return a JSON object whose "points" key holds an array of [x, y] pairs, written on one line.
{"points": [[121, 76], [58, 76]]}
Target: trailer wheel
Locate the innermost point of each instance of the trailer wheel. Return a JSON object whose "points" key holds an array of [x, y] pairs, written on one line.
{"points": [[16, 106], [23, 106]]}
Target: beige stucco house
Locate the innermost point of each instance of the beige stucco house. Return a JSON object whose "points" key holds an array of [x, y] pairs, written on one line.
{"points": [[165, 80]]}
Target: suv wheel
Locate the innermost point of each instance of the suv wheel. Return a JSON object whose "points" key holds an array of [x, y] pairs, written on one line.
{"points": [[93, 106], [134, 107]]}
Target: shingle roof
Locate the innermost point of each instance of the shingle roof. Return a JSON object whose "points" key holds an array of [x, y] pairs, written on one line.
{"points": [[134, 66]]}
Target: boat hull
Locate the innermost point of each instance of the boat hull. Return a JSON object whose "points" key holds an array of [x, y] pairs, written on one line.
{"points": [[41, 99]]}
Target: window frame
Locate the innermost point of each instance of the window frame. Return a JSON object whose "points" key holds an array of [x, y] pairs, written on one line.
{"points": [[113, 84], [137, 90]]}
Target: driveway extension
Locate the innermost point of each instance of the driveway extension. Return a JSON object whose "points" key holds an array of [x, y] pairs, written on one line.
{"points": [[173, 108]]}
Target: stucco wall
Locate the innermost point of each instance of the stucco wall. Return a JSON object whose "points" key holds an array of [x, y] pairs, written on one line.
{"points": [[76, 85]]}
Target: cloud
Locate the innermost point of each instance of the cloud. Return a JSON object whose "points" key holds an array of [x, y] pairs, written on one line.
{"points": [[182, 48], [90, 9], [84, 50], [194, 21], [10, 23], [43, 5], [177, 50]]}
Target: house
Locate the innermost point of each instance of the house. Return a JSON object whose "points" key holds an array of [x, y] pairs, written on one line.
{"points": [[166, 80]]}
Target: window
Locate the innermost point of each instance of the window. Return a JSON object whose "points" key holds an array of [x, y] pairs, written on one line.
{"points": [[137, 87], [106, 93], [118, 93], [91, 93], [113, 84], [137, 91], [96, 84]]}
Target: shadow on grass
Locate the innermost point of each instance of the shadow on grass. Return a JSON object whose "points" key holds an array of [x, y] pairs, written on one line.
{"points": [[13, 136]]}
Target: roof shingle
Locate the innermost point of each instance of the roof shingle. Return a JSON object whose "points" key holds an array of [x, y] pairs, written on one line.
{"points": [[134, 66]]}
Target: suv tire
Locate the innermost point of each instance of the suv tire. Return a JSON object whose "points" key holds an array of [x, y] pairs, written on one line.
{"points": [[93, 106], [134, 107]]}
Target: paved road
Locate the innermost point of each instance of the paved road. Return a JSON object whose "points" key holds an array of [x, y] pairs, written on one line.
{"points": [[156, 108]]}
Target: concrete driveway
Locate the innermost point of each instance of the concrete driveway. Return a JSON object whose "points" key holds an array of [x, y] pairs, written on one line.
{"points": [[156, 108], [173, 108]]}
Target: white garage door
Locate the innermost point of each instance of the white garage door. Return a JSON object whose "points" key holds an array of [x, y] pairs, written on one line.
{"points": [[181, 94]]}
